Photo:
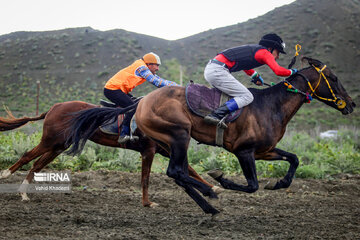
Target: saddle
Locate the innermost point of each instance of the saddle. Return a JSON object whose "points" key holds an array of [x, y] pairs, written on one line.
{"points": [[113, 127], [203, 100]]}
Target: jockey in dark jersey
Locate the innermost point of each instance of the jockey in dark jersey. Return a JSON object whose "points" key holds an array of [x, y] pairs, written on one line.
{"points": [[218, 72]]}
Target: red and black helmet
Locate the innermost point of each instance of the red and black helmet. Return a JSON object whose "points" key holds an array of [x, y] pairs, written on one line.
{"points": [[272, 40]]}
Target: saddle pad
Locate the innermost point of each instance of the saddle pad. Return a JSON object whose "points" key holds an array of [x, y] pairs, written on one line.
{"points": [[115, 127], [112, 127], [203, 100]]}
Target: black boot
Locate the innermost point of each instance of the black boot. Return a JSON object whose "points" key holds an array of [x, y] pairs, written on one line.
{"points": [[217, 115]]}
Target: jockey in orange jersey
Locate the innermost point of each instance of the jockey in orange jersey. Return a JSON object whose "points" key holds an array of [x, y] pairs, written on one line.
{"points": [[118, 88]]}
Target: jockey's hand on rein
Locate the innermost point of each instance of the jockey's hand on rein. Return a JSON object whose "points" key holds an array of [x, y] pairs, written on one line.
{"points": [[293, 71], [258, 80]]}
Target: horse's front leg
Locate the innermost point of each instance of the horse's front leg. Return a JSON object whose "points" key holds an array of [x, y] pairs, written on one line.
{"points": [[247, 163], [178, 170], [278, 154]]}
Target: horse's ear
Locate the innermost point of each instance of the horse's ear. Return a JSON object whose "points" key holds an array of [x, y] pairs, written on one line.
{"points": [[305, 59], [312, 62]]}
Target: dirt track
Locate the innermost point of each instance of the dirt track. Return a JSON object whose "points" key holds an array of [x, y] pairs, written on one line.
{"points": [[110, 208]]}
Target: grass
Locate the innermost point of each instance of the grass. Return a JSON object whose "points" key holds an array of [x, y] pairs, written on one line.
{"points": [[319, 158]]}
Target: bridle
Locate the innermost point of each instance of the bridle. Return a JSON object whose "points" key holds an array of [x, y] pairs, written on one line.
{"points": [[337, 101], [341, 104]]}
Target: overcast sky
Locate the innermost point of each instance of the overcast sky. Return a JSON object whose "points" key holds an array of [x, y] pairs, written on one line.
{"points": [[166, 19]]}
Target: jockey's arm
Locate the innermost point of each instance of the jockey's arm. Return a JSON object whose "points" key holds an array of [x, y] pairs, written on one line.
{"points": [[251, 73], [157, 81], [265, 57]]}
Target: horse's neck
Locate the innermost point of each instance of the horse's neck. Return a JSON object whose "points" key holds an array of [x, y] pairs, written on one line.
{"points": [[290, 102]]}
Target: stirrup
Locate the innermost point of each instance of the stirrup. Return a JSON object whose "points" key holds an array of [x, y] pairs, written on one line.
{"points": [[134, 138], [126, 138], [214, 121], [221, 123], [123, 139]]}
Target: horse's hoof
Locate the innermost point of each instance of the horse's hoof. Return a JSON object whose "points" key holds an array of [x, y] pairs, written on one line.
{"points": [[217, 190], [5, 173], [214, 202], [270, 185], [150, 204], [218, 217], [216, 173], [153, 205], [24, 197]]}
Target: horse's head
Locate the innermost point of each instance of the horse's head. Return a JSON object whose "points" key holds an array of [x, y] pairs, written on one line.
{"points": [[326, 87]]}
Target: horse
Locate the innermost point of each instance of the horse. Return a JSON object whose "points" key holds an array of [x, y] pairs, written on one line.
{"points": [[53, 143], [164, 116]]}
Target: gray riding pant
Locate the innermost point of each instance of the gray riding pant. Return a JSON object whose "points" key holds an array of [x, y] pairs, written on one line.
{"points": [[220, 78]]}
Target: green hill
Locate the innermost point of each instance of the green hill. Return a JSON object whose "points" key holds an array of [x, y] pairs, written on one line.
{"points": [[74, 64]]}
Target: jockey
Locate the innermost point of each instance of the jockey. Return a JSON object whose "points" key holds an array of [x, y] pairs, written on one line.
{"points": [[218, 72], [118, 87]]}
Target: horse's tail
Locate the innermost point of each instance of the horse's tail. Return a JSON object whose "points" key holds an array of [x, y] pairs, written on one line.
{"points": [[86, 122], [12, 122]]}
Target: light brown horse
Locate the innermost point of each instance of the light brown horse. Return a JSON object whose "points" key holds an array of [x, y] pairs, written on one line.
{"points": [[164, 116], [53, 143]]}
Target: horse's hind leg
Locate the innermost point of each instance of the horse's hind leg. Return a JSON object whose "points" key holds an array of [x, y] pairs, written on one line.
{"points": [[39, 164], [195, 175], [26, 158], [147, 158], [279, 154]]}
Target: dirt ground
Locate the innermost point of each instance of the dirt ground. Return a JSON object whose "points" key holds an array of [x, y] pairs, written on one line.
{"points": [[110, 208]]}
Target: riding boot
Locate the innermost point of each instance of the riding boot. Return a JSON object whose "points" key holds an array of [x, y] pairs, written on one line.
{"points": [[125, 129], [124, 134], [216, 116]]}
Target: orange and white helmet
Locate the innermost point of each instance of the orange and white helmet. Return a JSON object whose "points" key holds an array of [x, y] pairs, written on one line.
{"points": [[151, 58]]}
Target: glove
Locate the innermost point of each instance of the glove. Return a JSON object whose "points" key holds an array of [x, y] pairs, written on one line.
{"points": [[293, 71], [257, 79]]}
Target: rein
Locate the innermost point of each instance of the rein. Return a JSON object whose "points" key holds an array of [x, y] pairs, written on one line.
{"points": [[291, 88], [297, 50]]}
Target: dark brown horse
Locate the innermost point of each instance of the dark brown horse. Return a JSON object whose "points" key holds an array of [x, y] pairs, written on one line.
{"points": [[164, 116], [53, 143]]}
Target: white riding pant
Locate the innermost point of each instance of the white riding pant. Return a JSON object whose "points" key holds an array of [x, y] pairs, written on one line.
{"points": [[220, 78]]}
